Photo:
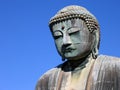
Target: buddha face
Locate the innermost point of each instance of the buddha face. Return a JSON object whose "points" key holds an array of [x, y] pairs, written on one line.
{"points": [[72, 39]]}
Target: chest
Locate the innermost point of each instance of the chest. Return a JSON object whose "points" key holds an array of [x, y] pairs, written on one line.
{"points": [[76, 80]]}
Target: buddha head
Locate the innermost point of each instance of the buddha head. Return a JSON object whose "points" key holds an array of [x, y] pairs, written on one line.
{"points": [[76, 33]]}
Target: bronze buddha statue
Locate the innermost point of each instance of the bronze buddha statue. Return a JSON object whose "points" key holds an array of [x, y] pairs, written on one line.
{"points": [[76, 33]]}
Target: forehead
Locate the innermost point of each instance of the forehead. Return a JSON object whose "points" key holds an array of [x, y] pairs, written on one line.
{"points": [[68, 24]]}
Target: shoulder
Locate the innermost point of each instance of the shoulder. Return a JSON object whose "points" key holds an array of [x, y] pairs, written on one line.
{"points": [[106, 65], [47, 77], [106, 72], [107, 62], [51, 72], [104, 59]]}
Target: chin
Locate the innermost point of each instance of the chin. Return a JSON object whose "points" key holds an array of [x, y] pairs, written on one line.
{"points": [[73, 57], [77, 57]]}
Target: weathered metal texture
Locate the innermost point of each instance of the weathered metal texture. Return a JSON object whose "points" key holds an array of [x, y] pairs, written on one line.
{"points": [[69, 14], [74, 11], [103, 75]]}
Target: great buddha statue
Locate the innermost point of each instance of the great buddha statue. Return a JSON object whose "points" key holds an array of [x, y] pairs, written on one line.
{"points": [[76, 33]]}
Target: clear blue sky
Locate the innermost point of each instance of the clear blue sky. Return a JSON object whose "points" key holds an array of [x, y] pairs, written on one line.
{"points": [[27, 48]]}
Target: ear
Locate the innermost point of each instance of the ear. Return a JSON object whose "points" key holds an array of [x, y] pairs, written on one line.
{"points": [[95, 50]]}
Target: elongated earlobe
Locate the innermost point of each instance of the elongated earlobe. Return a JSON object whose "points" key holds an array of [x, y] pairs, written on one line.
{"points": [[95, 50], [94, 53]]}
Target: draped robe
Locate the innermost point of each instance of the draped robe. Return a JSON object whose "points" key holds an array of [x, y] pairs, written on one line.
{"points": [[102, 74]]}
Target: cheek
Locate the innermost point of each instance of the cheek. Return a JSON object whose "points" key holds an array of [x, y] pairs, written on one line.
{"points": [[75, 38], [80, 37], [83, 48], [58, 45], [85, 36], [86, 42]]}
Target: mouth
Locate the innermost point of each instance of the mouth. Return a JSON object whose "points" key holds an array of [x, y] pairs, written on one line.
{"points": [[67, 50]]}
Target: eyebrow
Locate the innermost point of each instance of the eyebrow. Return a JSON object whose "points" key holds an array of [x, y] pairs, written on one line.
{"points": [[67, 28], [73, 27]]}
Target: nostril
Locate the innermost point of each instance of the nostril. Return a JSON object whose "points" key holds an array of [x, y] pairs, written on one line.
{"points": [[66, 45]]}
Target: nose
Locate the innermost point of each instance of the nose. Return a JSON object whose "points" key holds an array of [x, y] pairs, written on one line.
{"points": [[66, 40]]}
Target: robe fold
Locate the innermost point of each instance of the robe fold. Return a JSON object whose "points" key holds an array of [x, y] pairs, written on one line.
{"points": [[104, 74]]}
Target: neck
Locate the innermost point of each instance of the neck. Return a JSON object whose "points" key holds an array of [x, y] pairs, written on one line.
{"points": [[81, 63]]}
